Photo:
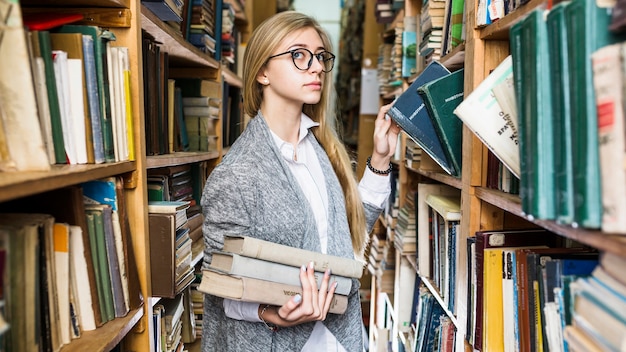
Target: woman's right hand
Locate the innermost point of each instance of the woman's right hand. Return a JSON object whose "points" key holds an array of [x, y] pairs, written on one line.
{"points": [[312, 305]]}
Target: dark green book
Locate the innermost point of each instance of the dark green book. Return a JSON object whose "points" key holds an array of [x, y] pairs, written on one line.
{"points": [[587, 31], [101, 38], [101, 261], [410, 113], [441, 97], [529, 43], [561, 116], [45, 47]]}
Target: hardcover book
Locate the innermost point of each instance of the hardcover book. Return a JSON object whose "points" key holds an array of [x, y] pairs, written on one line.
{"points": [[410, 113], [441, 97], [234, 264], [254, 290], [482, 114], [256, 248]]}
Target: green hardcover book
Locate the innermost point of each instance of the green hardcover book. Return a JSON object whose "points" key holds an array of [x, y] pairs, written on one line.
{"points": [[531, 65], [441, 97], [53, 98], [587, 26], [456, 23], [102, 264], [101, 38], [91, 229], [561, 115]]}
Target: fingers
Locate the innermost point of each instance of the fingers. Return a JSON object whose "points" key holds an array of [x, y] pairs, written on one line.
{"points": [[313, 304]]}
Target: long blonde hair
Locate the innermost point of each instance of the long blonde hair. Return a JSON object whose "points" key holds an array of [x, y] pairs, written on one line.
{"points": [[264, 40]]}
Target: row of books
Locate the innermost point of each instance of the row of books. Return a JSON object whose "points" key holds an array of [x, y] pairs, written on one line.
{"points": [[69, 266], [565, 150], [519, 288], [254, 270], [71, 95]]}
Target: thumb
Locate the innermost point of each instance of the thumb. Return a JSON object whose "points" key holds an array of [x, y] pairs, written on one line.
{"points": [[286, 309]]}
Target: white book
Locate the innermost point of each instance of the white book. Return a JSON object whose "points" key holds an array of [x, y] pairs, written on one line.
{"points": [[79, 279], [62, 82], [77, 108], [483, 115], [41, 92], [608, 86]]}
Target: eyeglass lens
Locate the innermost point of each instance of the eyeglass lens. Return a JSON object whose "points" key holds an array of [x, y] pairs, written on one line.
{"points": [[303, 59]]}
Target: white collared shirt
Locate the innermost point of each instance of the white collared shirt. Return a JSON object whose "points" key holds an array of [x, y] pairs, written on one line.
{"points": [[374, 189]]}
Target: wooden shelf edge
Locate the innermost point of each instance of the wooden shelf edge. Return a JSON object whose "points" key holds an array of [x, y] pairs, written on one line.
{"points": [[15, 185], [594, 238], [179, 50], [500, 28], [231, 78], [438, 176], [108, 336], [179, 158]]}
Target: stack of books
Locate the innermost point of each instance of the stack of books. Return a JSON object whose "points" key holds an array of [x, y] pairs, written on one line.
{"points": [[200, 116], [253, 270], [170, 248]]}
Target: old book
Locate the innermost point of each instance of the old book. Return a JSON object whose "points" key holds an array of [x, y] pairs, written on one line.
{"points": [[42, 40], [162, 230], [80, 279], [17, 98], [424, 222], [100, 262], [101, 38], [530, 69], [441, 97], [238, 265], [587, 25], [20, 236], [482, 114], [260, 249], [561, 115], [410, 113], [608, 83], [197, 87], [61, 247], [72, 44], [254, 290]]}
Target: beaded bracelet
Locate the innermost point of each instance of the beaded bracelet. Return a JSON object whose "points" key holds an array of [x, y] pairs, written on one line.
{"points": [[376, 171], [270, 327]]}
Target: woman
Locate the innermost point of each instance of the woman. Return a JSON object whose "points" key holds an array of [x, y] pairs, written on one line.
{"points": [[288, 179]]}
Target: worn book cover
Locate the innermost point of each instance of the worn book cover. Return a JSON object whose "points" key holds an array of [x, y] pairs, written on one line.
{"points": [[409, 111], [441, 97], [256, 248], [255, 290]]}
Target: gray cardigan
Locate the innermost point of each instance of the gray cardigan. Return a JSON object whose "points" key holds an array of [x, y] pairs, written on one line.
{"points": [[252, 192]]}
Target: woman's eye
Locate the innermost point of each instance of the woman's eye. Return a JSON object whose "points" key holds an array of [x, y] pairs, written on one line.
{"points": [[297, 55]]}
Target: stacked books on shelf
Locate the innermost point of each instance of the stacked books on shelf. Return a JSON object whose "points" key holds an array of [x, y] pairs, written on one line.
{"points": [[170, 315], [202, 110], [405, 239], [71, 264], [229, 36], [170, 248], [597, 320], [202, 22], [425, 112], [78, 83], [253, 270], [431, 22], [166, 10], [518, 287]]}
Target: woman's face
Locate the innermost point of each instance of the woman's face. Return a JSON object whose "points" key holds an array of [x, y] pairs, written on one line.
{"points": [[288, 84]]}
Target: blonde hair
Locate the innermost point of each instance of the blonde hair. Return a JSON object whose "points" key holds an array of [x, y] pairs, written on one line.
{"points": [[264, 40]]}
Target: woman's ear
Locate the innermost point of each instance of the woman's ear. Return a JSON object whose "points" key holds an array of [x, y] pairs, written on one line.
{"points": [[261, 77]]}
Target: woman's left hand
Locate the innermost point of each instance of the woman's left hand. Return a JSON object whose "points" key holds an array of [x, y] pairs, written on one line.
{"points": [[385, 139]]}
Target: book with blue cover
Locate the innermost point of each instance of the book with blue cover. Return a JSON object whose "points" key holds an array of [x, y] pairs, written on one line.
{"points": [[410, 113]]}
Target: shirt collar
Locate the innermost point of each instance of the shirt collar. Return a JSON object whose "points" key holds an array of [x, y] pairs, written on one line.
{"points": [[287, 149]]}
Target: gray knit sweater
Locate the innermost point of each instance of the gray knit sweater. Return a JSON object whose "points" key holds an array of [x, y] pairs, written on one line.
{"points": [[253, 193]]}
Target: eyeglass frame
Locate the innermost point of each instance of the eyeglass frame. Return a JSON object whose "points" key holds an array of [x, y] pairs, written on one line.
{"points": [[310, 63]]}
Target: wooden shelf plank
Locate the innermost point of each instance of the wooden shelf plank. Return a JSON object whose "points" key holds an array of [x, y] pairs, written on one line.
{"points": [[180, 51], [231, 78], [595, 238], [20, 184], [106, 337], [179, 158], [500, 28], [438, 176]]}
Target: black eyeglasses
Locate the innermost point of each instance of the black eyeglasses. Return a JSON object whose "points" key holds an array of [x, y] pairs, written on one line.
{"points": [[303, 59]]}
